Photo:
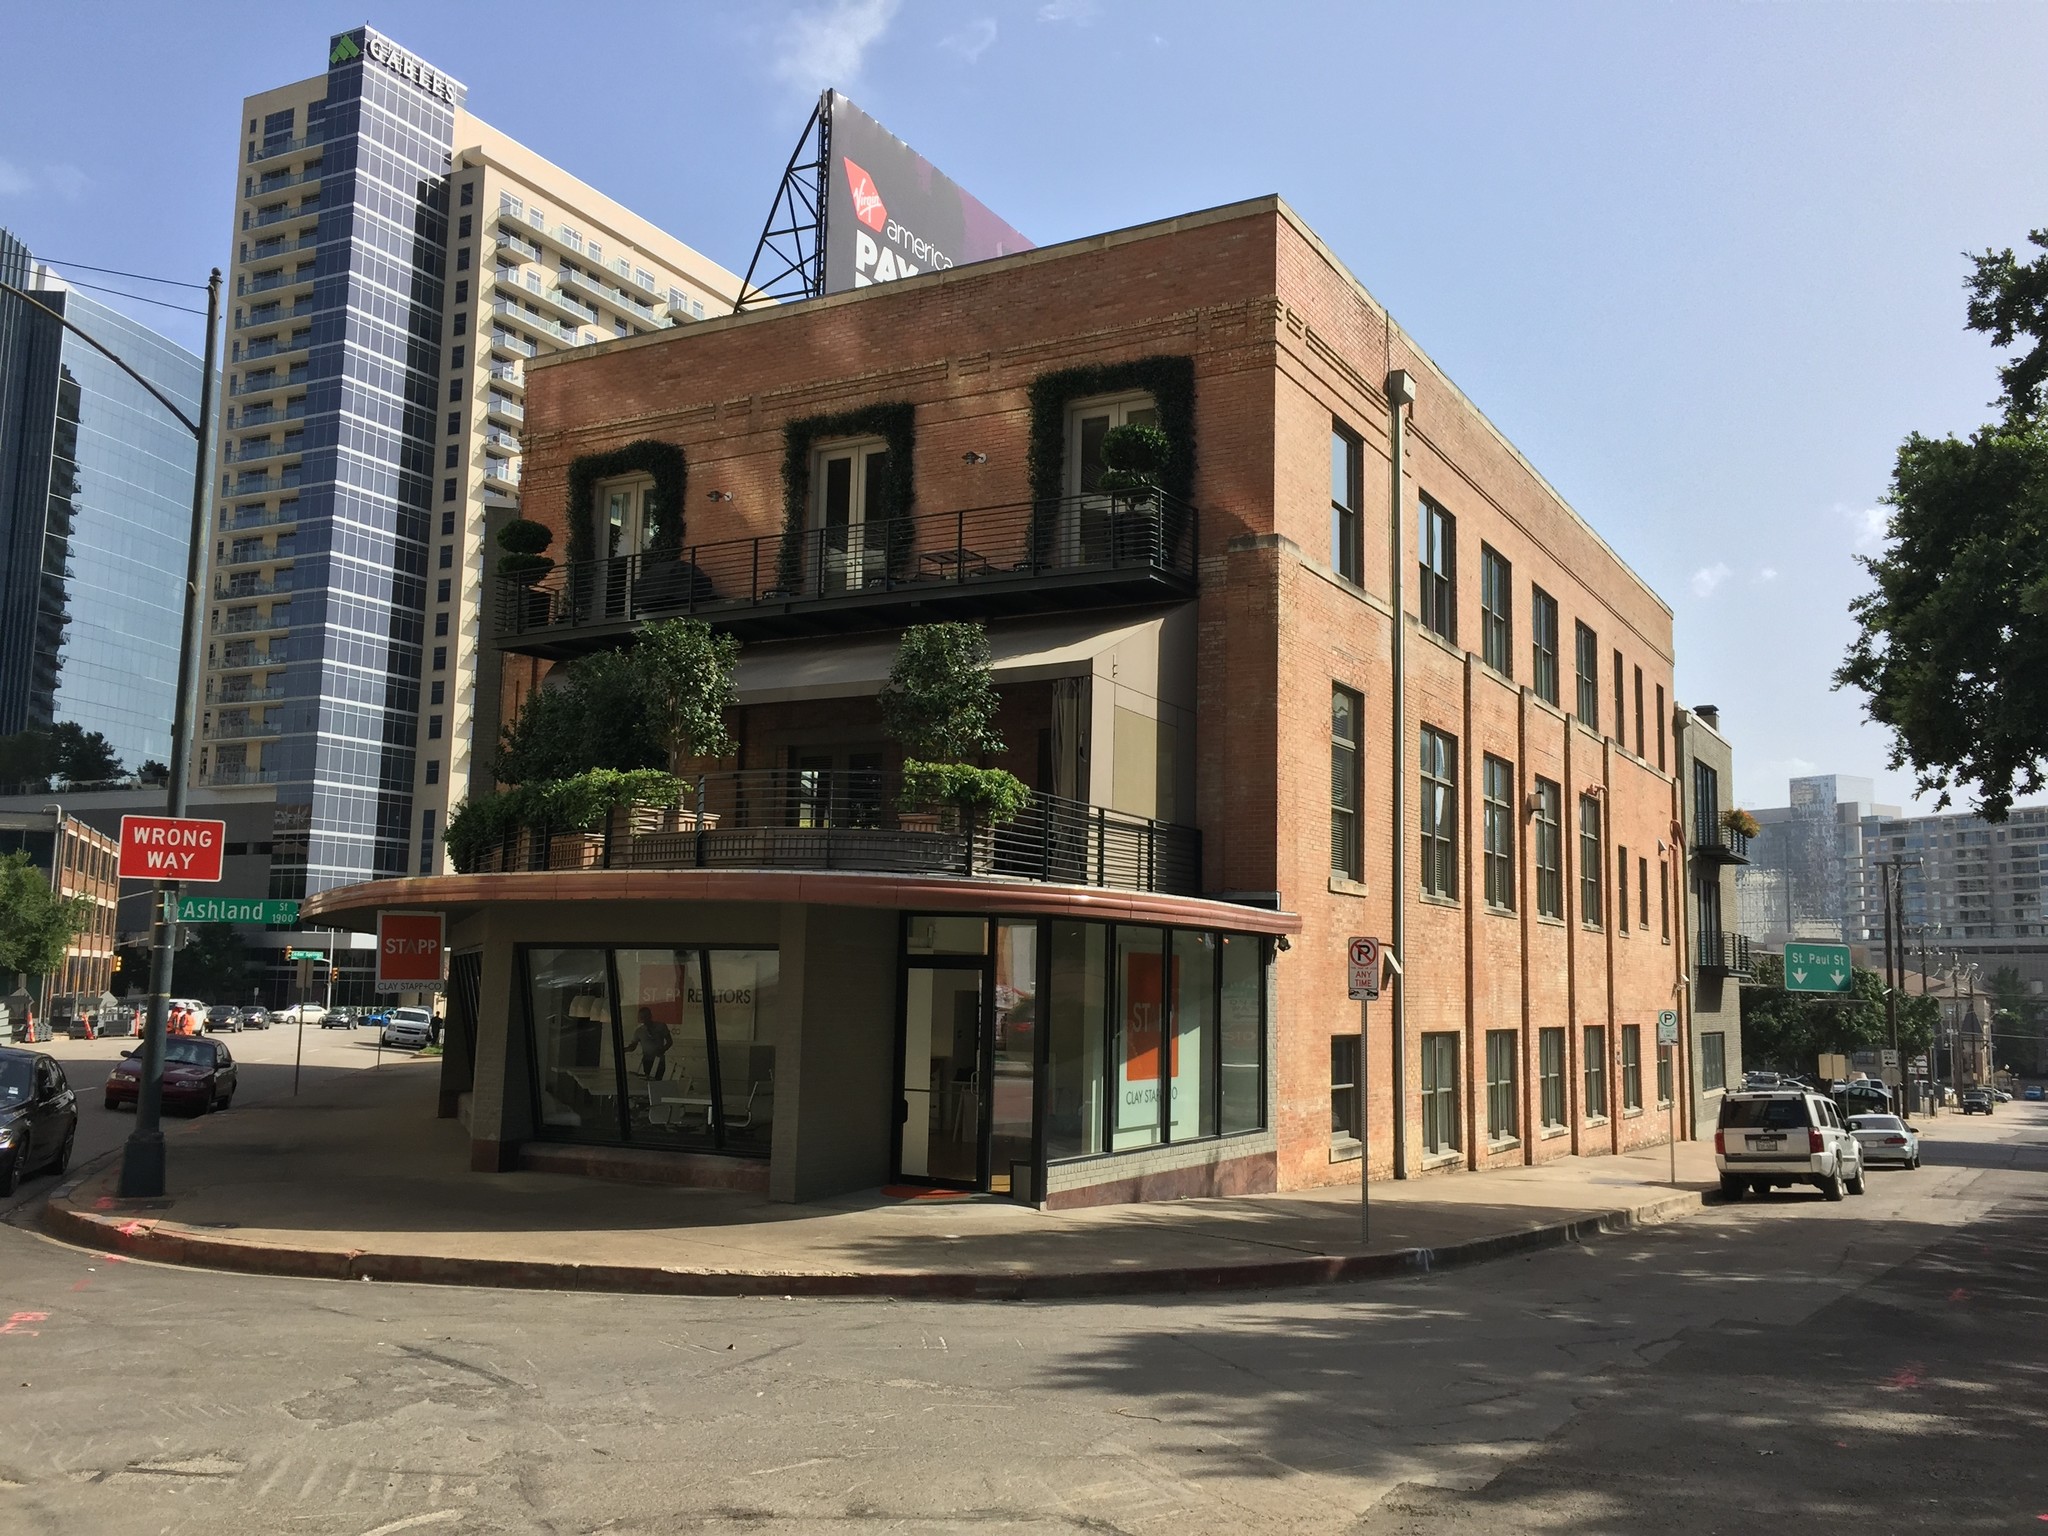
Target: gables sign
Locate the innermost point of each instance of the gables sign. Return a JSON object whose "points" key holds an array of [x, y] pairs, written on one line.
{"points": [[382, 51]]}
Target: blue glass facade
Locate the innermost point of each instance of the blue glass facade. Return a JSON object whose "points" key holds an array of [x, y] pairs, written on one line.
{"points": [[345, 756], [95, 520]]}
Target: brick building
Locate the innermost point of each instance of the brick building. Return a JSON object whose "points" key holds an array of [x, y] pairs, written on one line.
{"points": [[79, 861], [1209, 670]]}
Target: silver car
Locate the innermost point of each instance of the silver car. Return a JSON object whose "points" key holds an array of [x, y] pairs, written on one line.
{"points": [[1886, 1139]]}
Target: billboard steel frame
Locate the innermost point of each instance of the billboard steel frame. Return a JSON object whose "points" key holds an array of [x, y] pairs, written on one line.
{"points": [[794, 234]]}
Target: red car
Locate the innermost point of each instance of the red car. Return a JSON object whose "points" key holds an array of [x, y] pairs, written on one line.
{"points": [[199, 1075]]}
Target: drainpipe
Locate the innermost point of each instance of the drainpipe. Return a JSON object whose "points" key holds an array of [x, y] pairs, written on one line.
{"points": [[1400, 393]]}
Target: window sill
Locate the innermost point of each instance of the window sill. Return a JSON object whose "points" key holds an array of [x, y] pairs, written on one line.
{"points": [[1430, 900], [1434, 1160], [1346, 1150], [1596, 1119], [1552, 1132], [1495, 911], [1551, 922], [1504, 1144], [1631, 1114], [1340, 886], [1591, 928]]}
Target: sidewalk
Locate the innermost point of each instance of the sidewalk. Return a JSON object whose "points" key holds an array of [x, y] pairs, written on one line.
{"points": [[358, 1181]]}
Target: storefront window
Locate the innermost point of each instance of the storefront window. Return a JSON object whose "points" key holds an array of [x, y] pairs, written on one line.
{"points": [[1075, 1023], [1194, 1035], [668, 1070], [745, 984], [1015, 1050], [946, 936], [576, 1064], [1243, 1005], [1139, 1023]]}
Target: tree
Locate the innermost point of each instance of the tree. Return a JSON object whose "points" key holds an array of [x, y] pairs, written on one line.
{"points": [[1951, 641], [685, 677], [213, 964], [84, 757], [940, 701], [1789, 1030], [597, 716], [36, 924]]}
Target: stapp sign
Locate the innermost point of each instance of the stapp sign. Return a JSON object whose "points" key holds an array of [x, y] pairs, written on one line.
{"points": [[889, 213], [172, 848], [408, 951]]}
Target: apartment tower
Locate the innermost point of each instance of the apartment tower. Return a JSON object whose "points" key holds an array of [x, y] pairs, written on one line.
{"points": [[395, 262]]}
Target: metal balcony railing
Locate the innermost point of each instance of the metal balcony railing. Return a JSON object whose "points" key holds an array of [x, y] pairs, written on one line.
{"points": [[231, 695], [776, 819], [1718, 844], [241, 730], [509, 373], [230, 776], [276, 147], [1067, 543], [1724, 954]]}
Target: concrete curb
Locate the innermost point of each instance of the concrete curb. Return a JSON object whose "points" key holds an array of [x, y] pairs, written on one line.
{"points": [[137, 1235]]}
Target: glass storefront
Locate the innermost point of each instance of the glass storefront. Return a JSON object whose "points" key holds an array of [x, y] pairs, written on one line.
{"points": [[669, 1047]]}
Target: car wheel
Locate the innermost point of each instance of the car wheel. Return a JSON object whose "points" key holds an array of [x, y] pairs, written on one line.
{"points": [[1856, 1184], [62, 1164], [112, 1102], [10, 1181], [1733, 1188], [1831, 1186]]}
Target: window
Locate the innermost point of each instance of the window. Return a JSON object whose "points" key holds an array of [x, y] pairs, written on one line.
{"points": [[1347, 496], [440, 658], [433, 727], [462, 258], [1621, 888], [454, 421], [468, 197], [461, 322], [1550, 1075], [1588, 646], [1639, 711], [1657, 725], [436, 692], [1440, 1092], [457, 356], [1088, 422], [447, 524], [454, 390], [433, 770], [1713, 1061], [1631, 1066], [448, 489], [1643, 894], [1620, 717], [1549, 850], [1344, 1089], [448, 455], [1596, 1073], [427, 822], [1589, 861], [1663, 1074], [850, 489], [462, 291], [1498, 789], [1501, 1104], [1664, 900], [1347, 854], [1706, 805], [440, 625], [1439, 813], [1496, 612], [443, 590], [447, 556], [1438, 544], [466, 225], [1543, 644]]}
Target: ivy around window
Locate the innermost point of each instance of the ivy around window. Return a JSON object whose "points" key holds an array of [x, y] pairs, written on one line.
{"points": [[1169, 380], [895, 424], [663, 461]]}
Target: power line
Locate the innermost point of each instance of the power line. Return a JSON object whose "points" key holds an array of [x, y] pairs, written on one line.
{"points": [[137, 297], [140, 277]]}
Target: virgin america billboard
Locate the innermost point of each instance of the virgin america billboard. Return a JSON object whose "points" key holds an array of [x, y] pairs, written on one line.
{"points": [[889, 213]]}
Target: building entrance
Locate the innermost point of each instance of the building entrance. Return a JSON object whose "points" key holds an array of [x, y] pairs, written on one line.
{"points": [[944, 1028]]}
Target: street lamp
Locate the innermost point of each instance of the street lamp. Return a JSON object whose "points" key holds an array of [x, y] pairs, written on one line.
{"points": [[142, 1159]]}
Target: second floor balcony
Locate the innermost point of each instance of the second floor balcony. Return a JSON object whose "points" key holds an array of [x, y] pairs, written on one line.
{"points": [[1723, 954], [990, 562], [1715, 843]]}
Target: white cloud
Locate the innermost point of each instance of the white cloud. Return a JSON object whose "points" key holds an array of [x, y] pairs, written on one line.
{"points": [[13, 179], [1708, 578], [1768, 573], [66, 181], [1079, 12], [826, 47], [972, 40], [1873, 528]]}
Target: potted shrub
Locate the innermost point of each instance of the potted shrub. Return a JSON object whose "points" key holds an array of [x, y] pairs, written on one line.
{"points": [[940, 703], [685, 681], [1735, 819], [1133, 456], [522, 563]]}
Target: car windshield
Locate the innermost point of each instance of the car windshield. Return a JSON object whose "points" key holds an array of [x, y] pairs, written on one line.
{"points": [[410, 1016], [1763, 1114], [1876, 1123], [17, 1076], [188, 1053]]}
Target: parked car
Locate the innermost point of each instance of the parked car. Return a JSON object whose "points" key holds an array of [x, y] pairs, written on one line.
{"points": [[199, 1075], [255, 1018], [38, 1116], [2033, 1092], [1769, 1139], [311, 1013], [1758, 1080], [1862, 1096], [1977, 1101], [2001, 1095], [339, 1018], [1886, 1139], [377, 1018], [223, 1019], [412, 1027]]}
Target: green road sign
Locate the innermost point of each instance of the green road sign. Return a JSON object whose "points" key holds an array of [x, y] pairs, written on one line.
{"points": [[305, 954], [224, 909], [1817, 968]]}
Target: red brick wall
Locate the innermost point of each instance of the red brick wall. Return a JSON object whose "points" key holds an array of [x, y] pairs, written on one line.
{"points": [[1283, 340]]}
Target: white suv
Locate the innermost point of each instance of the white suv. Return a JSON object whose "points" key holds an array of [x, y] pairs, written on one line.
{"points": [[1776, 1137], [409, 1027]]}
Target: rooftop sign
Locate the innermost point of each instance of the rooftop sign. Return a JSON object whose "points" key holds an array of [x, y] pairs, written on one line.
{"points": [[380, 50]]}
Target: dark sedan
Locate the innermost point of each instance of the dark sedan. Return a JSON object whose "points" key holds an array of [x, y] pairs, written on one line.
{"points": [[38, 1117], [199, 1075], [255, 1018]]}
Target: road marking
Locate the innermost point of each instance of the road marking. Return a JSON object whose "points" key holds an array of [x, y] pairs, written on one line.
{"points": [[435, 1517], [13, 1324]]}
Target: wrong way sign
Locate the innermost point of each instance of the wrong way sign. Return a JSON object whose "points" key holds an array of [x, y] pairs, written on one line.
{"points": [[1364, 957], [172, 848]]}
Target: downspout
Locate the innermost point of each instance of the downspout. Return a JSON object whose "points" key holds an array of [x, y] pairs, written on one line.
{"points": [[1400, 392]]}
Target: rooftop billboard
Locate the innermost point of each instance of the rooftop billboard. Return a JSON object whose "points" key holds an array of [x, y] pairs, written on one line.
{"points": [[889, 213]]}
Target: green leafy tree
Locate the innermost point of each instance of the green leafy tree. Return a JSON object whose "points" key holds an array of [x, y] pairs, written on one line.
{"points": [[213, 964], [36, 924], [686, 685], [940, 701], [2009, 303], [1789, 1030], [597, 716], [84, 757]]}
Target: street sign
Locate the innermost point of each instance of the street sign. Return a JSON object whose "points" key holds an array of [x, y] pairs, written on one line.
{"points": [[172, 848], [408, 951], [233, 909], [305, 954], [1667, 1027], [1364, 957], [1817, 968]]}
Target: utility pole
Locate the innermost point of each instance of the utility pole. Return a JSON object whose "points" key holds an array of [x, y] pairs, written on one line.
{"points": [[1400, 395]]}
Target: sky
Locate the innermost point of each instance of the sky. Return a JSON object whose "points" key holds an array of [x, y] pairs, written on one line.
{"points": [[1702, 263]]}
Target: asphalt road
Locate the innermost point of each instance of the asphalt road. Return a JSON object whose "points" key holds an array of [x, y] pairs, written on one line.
{"points": [[1876, 1365]]}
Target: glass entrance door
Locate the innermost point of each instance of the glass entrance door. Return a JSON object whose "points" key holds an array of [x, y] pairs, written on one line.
{"points": [[945, 1022], [851, 485]]}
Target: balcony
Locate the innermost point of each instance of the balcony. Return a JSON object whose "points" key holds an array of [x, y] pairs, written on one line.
{"points": [[253, 623], [520, 315], [1065, 553], [246, 656], [609, 295], [268, 379], [271, 151], [263, 485], [239, 519], [511, 375], [773, 819], [241, 730], [1713, 843], [500, 408], [278, 244], [518, 346], [1723, 954], [230, 694], [500, 439], [226, 777], [526, 249], [307, 209], [241, 587], [276, 182]]}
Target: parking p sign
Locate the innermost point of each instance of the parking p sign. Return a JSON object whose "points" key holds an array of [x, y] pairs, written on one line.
{"points": [[1364, 956]]}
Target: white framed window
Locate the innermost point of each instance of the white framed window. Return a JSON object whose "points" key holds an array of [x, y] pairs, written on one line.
{"points": [[849, 490], [1088, 422], [625, 515]]}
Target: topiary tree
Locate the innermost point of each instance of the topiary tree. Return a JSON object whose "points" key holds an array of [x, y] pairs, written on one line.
{"points": [[1133, 457], [522, 541], [685, 680], [596, 717], [940, 701]]}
